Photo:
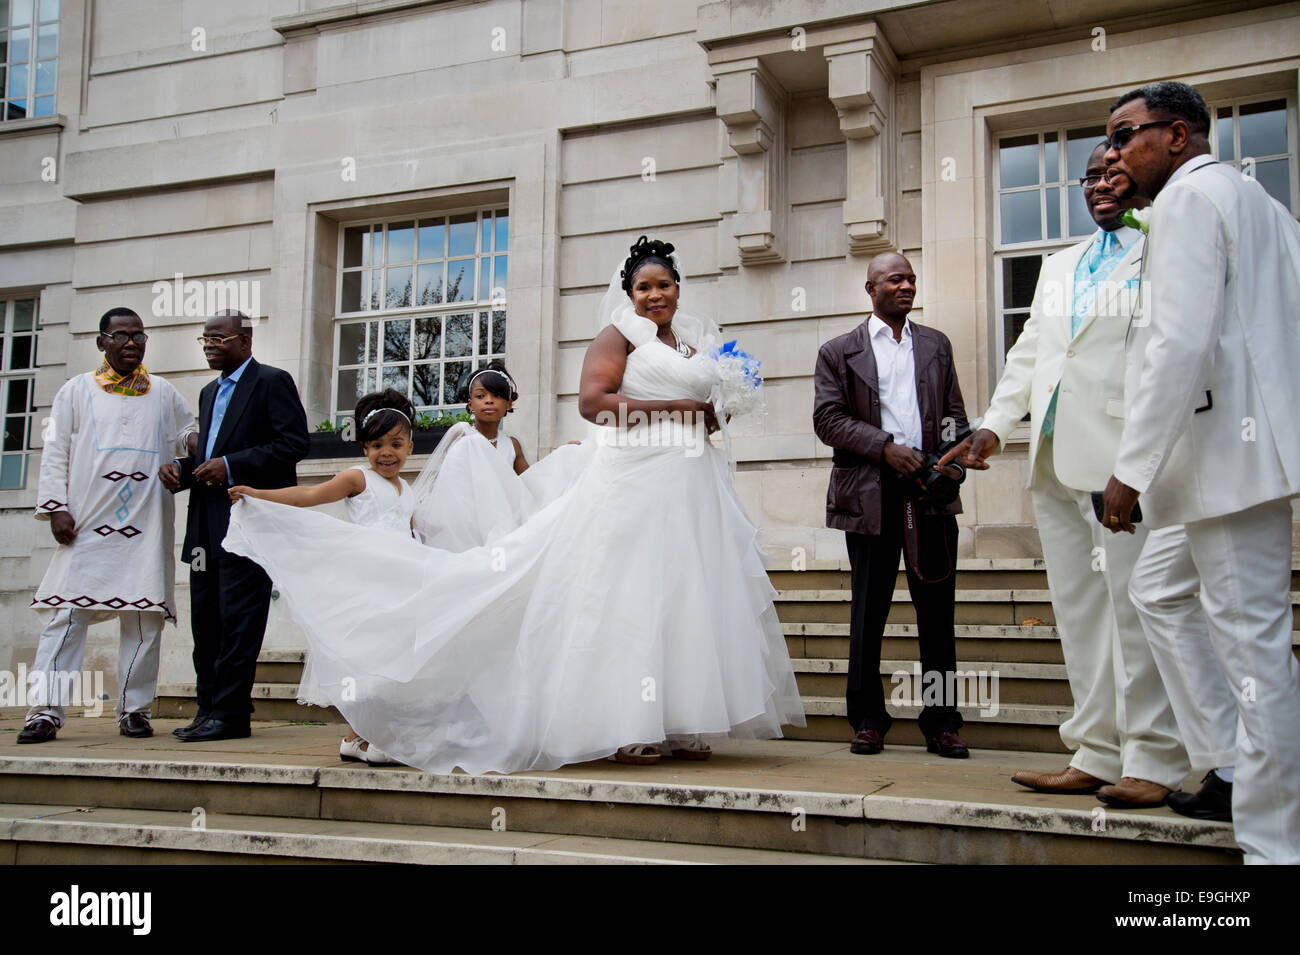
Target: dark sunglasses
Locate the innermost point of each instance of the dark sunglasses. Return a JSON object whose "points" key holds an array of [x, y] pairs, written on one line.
{"points": [[1120, 137]]}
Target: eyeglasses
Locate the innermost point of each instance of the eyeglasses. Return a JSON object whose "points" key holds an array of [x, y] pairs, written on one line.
{"points": [[121, 338], [1119, 138], [215, 339], [1090, 182]]}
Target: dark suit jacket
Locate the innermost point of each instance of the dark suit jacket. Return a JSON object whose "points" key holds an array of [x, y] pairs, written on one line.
{"points": [[263, 436], [846, 416]]}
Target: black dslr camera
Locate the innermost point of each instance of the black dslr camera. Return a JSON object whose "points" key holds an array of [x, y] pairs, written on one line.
{"points": [[938, 488]]}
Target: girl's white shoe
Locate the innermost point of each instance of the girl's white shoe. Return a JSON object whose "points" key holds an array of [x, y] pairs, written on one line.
{"points": [[351, 751], [377, 757]]}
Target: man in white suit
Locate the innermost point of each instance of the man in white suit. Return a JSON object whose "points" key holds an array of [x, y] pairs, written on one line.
{"points": [[1210, 438], [1066, 371]]}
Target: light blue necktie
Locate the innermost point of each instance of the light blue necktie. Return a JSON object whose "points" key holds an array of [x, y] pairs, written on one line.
{"points": [[225, 388]]}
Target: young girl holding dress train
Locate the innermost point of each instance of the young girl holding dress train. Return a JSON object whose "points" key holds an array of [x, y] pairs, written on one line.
{"points": [[376, 496]]}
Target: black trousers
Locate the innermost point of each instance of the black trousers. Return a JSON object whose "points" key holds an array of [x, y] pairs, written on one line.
{"points": [[933, 583], [230, 599]]}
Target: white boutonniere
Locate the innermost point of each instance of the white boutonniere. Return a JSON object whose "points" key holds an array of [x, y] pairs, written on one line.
{"points": [[1139, 219]]}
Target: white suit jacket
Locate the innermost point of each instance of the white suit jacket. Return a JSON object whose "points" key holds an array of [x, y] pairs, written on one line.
{"points": [[1087, 370], [1214, 359]]}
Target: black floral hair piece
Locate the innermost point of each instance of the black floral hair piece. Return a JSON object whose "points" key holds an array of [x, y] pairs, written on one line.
{"points": [[644, 252]]}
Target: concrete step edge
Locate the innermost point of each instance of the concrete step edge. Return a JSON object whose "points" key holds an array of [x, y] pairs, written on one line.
{"points": [[1005, 670], [1031, 714], [376, 842]]}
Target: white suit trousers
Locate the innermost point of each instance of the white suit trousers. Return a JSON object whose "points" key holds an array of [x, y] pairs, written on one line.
{"points": [[1165, 588], [1123, 724], [1244, 562], [63, 647]]}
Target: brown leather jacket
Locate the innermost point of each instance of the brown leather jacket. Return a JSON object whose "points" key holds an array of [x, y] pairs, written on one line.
{"points": [[846, 416]]}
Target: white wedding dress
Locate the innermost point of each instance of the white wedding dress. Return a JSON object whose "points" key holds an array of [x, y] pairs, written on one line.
{"points": [[618, 597]]}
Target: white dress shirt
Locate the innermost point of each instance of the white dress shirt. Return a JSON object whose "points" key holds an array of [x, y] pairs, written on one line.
{"points": [[900, 414]]}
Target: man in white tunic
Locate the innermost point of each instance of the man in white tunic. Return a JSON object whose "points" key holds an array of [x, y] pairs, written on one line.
{"points": [[109, 432]]}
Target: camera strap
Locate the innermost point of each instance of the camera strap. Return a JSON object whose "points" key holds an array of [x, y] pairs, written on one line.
{"points": [[912, 543]]}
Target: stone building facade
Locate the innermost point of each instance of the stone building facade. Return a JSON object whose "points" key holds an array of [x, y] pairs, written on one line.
{"points": [[402, 187]]}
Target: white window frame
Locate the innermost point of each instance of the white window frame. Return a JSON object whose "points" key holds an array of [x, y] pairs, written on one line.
{"points": [[7, 375], [51, 9], [496, 305]]}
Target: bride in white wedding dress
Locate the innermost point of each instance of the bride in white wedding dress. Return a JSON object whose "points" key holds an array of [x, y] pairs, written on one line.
{"points": [[623, 602]]}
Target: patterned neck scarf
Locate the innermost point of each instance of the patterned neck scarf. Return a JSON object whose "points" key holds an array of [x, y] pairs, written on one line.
{"points": [[132, 385]]}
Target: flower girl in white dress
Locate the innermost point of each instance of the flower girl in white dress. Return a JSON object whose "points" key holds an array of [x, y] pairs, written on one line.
{"points": [[618, 596], [376, 496]]}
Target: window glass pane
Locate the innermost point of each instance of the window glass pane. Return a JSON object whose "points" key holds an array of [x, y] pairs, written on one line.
{"points": [[18, 395], [1019, 279], [20, 46], [377, 247], [45, 76], [350, 300], [1223, 124], [1081, 222], [1275, 176], [13, 471], [482, 333], [354, 246], [1021, 217], [397, 340], [399, 378], [43, 106], [397, 293], [20, 12], [350, 385], [18, 82], [498, 332], [1052, 157], [502, 227], [1263, 128], [461, 235], [16, 109], [429, 284], [424, 385], [428, 338], [485, 233], [432, 239], [499, 279], [15, 433], [24, 310], [47, 41], [401, 242], [1012, 326], [20, 352], [1018, 161], [352, 343], [484, 279], [460, 335], [452, 372], [460, 280], [1079, 144], [49, 10], [1053, 213]]}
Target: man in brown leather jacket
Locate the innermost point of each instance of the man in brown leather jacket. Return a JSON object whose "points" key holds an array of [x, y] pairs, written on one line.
{"points": [[883, 391]]}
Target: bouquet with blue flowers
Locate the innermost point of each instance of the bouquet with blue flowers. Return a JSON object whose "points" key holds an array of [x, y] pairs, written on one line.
{"points": [[739, 388]]}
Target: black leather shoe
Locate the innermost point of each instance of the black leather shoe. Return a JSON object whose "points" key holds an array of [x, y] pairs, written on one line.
{"points": [[214, 729], [867, 742], [39, 730], [947, 745], [1213, 801], [135, 725], [192, 726]]}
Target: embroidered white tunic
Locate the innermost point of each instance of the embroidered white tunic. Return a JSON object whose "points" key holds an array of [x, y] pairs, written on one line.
{"points": [[100, 463]]}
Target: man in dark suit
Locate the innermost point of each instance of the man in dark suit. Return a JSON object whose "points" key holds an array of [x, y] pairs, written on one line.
{"points": [[252, 430], [883, 391]]}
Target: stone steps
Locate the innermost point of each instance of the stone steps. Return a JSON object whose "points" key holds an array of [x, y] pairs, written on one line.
{"points": [[62, 835], [283, 796]]}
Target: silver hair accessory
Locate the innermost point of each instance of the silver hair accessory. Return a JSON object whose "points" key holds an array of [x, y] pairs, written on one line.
{"points": [[494, 371], [366, 419]]}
